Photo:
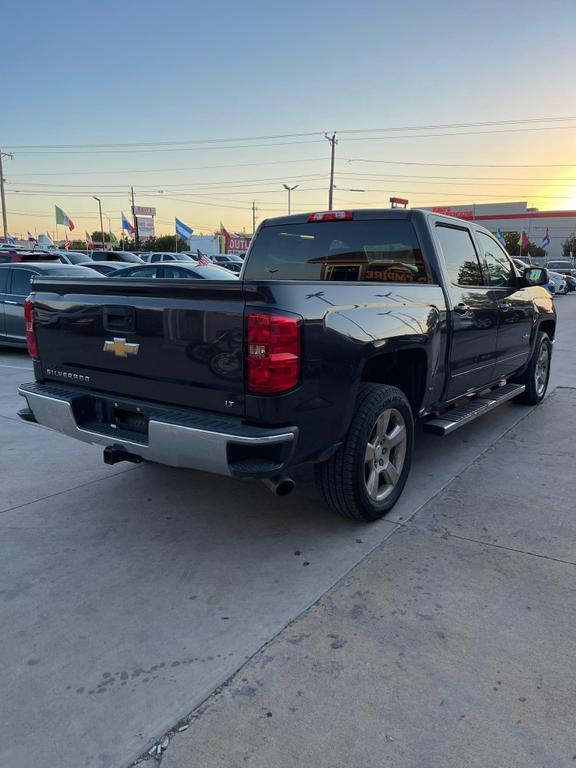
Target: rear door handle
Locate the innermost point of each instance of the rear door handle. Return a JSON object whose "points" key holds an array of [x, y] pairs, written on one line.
{"points": [[505, 306], [461, 309]]}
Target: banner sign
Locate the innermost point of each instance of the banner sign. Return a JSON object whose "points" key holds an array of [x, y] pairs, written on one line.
{"points": [[237, 244], [145, 227], [141, 210], [447, 211]]}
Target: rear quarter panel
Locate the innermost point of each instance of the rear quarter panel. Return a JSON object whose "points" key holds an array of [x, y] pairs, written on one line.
{"points": [[344, 325]]}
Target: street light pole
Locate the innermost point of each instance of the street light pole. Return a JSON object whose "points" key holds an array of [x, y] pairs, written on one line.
{"points": [[101, 224], [2, 195], [290, 190]]}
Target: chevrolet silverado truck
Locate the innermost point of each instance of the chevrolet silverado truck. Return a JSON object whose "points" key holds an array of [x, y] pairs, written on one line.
{"points": [[344, 329]]}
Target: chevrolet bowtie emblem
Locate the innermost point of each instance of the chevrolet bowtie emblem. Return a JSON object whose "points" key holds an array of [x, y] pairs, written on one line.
{"points": [[121, 348]]}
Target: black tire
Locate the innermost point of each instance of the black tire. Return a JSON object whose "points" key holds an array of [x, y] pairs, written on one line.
{"points": [[535, 391], [343, 478]]}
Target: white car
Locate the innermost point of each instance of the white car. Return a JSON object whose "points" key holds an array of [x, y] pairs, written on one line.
{"points": [[156, 256]]}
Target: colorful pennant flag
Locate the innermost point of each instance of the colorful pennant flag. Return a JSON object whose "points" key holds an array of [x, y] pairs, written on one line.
{"points": [[182, 230], [126, 226], [546, 239], [64, 219], [500, 236], [524, 241]]}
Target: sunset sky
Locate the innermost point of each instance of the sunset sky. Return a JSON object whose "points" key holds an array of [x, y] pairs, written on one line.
{"points": [[174, 77]]}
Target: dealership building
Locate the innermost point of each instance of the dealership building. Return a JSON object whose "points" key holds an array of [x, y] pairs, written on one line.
{"points": [[515, 217]]}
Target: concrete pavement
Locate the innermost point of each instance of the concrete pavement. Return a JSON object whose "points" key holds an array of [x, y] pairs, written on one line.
{"points": [[452, 645], [127, 595]]}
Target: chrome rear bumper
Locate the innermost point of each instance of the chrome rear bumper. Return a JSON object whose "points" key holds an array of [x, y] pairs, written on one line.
{"points": [[177, 437]]}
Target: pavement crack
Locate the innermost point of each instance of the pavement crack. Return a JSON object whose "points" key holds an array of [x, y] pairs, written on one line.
{"points": [[67, 490], [503, 546]]}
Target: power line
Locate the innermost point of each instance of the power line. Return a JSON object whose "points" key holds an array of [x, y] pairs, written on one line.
{"points": [[462, 133], [269, 137], [459, 183], [463, 165], [162, 149], [155, 185], [180, 169], [203, 148], [463, 178]]}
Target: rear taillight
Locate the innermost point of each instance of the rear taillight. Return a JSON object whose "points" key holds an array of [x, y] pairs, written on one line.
{"points": [[273, 352], [30, 333], [331, 216]]}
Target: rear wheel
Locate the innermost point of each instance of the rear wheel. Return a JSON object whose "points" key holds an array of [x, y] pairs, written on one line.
{"points": [[366, 476], [537, 374]]}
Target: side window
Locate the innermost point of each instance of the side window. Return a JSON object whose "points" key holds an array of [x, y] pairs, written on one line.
{"points": [[460, 256], [143, 272], [155, 258], [4, 280], [21, 281], [176, 272], [499, 268]]}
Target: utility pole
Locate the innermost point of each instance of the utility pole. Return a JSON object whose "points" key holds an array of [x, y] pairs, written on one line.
{"points": [[136, 238], [2, 195], [290, 190], [333, 141], [254, 209], [101, 224]]}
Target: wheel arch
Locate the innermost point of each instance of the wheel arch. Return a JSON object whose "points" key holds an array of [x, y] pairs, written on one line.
{"points": [[406, 369], [549, 327]]}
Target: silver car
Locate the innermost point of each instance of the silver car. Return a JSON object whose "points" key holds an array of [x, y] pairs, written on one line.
{"points": [[15, 287]]}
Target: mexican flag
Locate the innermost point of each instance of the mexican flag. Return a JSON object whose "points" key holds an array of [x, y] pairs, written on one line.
{"points": [[64, 219]]}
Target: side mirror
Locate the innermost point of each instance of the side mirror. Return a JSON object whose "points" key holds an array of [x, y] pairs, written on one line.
{"points": [[536, 276]]}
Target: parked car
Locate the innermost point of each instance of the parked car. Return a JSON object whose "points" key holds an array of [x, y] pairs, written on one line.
{"points": [[228, 261], [12, 247], [346, 327], [154, 257], [565, 268], [15, 287], [128, 256], [72, 257], [571, 281], [15, 257], [560, 283], [556, 283], [105, 267], [181, 270]]}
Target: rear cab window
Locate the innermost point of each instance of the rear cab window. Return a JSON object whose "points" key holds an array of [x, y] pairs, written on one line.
{"points": [[379, 250]]}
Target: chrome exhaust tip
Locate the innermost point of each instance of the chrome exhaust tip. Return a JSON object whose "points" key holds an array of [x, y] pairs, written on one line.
{"points": [[281, 485]]}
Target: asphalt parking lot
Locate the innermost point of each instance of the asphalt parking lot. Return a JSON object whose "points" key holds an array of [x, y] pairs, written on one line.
{"points": [[129, 594]]}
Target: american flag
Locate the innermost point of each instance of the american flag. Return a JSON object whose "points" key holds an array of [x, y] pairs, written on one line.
{"points": [[203, 260]]}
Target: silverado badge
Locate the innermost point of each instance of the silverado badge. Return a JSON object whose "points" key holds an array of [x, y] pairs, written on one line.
{"points": [[121, 348]]}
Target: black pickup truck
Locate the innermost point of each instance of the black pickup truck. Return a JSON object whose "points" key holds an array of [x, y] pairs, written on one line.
{"points": [[344, 328]]}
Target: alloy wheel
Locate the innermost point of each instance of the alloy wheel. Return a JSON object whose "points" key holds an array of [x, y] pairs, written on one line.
{"points": [[385, 454]]}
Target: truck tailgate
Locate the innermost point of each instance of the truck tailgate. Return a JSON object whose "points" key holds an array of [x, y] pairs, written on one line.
{"points": [[176, 342]]}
